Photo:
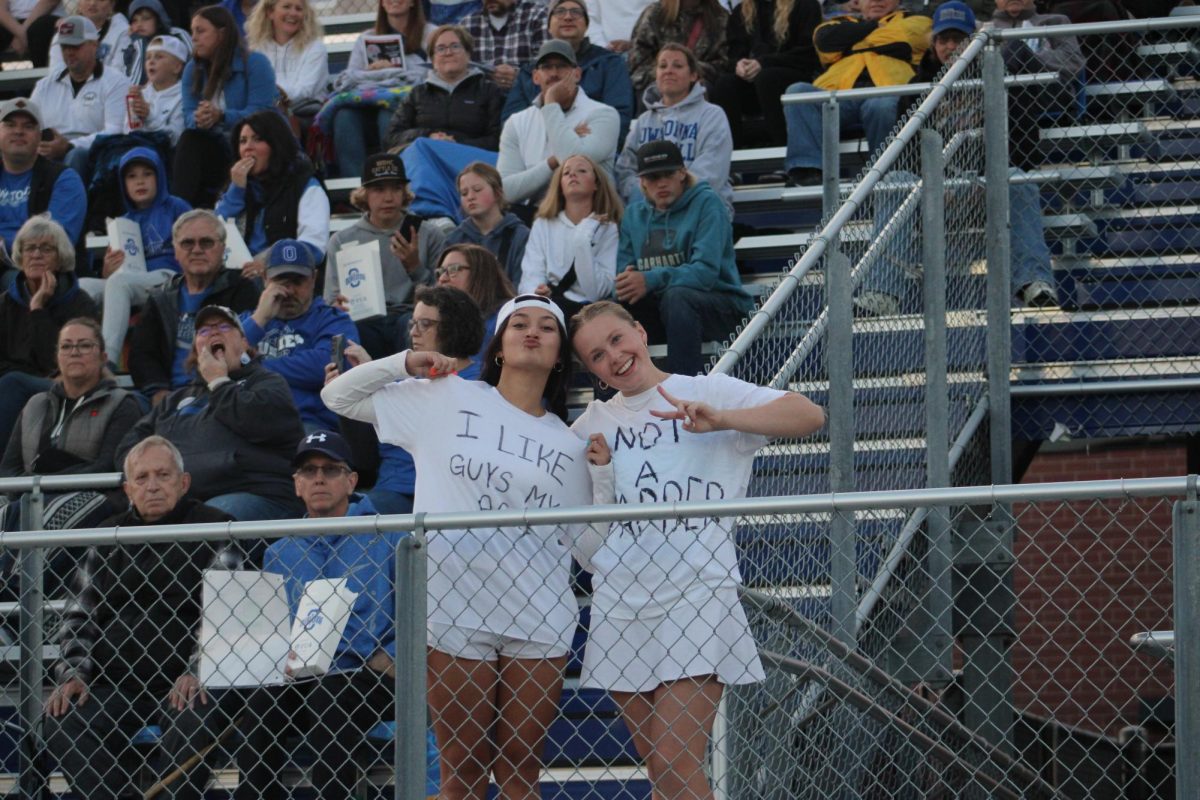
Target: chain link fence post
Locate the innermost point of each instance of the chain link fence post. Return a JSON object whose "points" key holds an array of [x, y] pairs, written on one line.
{"points": [[32, 635], [831, 156], [1185, 528], [411, 715]]}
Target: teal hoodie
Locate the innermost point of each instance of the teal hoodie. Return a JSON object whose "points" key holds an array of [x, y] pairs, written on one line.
{"points": [[688, 245]]}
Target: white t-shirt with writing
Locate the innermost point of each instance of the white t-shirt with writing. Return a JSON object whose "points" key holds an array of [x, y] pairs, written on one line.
{"points": [[647, 566], [474, 450]]}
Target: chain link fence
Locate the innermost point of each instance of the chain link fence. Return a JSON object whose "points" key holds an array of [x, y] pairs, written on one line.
{"points": [[1002, 663]]}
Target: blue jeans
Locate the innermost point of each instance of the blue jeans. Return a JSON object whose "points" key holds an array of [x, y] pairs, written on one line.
{"points": [[244, 507], [1027, 239], [686, 318], [876, 116], [388, 502], [15, 390], [358, 132]]}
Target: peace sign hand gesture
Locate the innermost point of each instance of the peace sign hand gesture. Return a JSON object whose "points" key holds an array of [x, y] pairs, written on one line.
{"points": [[697, 417]]}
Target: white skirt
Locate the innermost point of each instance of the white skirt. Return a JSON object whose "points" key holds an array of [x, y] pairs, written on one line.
{"points": [[690, 640]]}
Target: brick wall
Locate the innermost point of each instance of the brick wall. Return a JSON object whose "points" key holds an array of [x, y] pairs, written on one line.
{"points": [[1089, 576]]}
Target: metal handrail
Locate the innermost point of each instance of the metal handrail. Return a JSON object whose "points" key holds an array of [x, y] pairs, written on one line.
{"points": [[904, 89], [1177, 486], [1093, 28]]}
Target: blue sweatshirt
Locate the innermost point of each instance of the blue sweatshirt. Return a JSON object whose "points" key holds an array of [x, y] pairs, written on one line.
{"points": [[68, 203], [506, 242], [298, 349], [250, 87], [367, 560], [157, 219], [688, 245]]}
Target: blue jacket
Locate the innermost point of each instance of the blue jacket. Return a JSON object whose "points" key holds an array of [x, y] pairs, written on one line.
{"points": [[248, 90], [605, 79], [298, 349], [367, 560], [155, 221], [506, 242], [688, 245]]}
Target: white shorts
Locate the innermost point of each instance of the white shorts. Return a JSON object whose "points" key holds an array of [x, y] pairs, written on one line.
{"points": [[477, 645], [638, 655]]}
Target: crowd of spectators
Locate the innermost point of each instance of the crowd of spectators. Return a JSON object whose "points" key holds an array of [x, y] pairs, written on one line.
{"points": [[593, 141]]}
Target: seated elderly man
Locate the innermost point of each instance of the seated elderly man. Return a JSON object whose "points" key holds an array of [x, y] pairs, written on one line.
{"points": [[340, 706], [235, 423], [128, 631], [880, 48], [161, 341], [562, 121], [293, 330]]}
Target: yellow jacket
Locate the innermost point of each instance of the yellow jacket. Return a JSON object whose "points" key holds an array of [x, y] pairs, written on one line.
{"points": [[843, 65]]}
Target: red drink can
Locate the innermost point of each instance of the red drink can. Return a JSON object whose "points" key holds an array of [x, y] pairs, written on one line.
{"points": [[135, 122]]}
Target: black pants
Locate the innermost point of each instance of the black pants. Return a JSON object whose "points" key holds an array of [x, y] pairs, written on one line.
{"points": [[92, 740], [761, 96], [38, 36], [201, 167], [332, 715]]}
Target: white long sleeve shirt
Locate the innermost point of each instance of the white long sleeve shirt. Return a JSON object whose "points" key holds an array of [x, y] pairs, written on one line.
{"points": [[302, 73], [531, 136], [98, 107], [555, 245], [166, 111]]}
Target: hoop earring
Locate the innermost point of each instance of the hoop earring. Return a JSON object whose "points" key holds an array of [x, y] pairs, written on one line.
{"points": [[603, 385], [499, 361]]}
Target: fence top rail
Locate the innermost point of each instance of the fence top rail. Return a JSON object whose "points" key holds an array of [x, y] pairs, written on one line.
{"points": [[1094, 28], [903, 89], [59, 483], [1179, 486]]}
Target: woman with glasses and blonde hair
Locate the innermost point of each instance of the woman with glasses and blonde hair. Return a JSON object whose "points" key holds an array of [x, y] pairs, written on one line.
{"points": [[44, 295], [571, 255], [72, 428]]}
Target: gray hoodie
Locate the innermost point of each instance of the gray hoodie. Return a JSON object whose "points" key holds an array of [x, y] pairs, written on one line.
{"points": [[398, 285], [699, 128]]}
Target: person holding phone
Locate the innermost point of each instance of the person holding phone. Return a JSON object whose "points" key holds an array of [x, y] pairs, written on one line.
{"points": [[294, 331], [409, 248]]}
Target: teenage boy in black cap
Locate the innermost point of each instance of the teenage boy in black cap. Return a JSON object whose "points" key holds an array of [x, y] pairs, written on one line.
{"points": [[675, 262], [409, 248]]}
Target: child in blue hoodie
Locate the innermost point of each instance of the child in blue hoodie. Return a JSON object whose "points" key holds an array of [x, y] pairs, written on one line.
{"points": [[149, 203], [676, 270]]}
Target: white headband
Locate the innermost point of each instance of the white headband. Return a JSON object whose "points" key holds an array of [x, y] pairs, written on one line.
{"points": [[530, 301]]}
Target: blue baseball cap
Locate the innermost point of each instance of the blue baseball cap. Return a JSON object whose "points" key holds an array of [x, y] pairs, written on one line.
{"points": [[953, 16], [326, 443], [290, 257]]}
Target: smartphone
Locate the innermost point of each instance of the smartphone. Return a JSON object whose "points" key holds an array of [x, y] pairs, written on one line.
{"points": [[337, 355]]}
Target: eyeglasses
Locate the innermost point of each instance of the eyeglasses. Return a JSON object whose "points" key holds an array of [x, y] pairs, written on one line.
{"points": [[187, 245], [46, 249], [84, 348], [328, 471], [209, 330], [449, 270], [422, 324], [567, 12], [446, 49]]}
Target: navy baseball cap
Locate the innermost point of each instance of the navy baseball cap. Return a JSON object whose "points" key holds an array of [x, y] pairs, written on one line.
{"points": [[953, 16], [326, 443], [660, 155], [290, 257]]}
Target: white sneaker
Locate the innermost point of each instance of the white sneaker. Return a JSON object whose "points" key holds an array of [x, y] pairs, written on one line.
{"points": [[1039, 294], [877, 304]]}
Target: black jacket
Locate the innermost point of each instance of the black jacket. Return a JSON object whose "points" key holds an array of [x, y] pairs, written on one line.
{"points": [[760, 43], [152, 340], [133, 612], [470, 112], [29, 339], [239, 438]]}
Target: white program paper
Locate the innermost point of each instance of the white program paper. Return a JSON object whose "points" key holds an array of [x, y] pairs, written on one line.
{"points": [[245, 631], [361, 278], [236, 251], [321, 618], [125, 235]]}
